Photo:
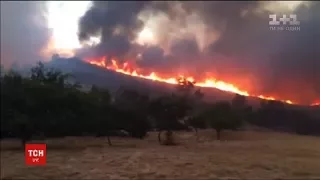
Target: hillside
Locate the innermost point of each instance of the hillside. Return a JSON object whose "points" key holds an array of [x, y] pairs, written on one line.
{"points": [[243, 155], [90, 74]]}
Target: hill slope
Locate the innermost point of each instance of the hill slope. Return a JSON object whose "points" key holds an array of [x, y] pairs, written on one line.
{"points": [[89, 74]]}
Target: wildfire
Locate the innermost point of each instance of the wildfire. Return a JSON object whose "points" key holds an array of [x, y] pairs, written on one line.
{"points": [[210, 82]]}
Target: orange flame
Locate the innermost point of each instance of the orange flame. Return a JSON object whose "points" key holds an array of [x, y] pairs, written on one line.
{"points": [[210, 82]]}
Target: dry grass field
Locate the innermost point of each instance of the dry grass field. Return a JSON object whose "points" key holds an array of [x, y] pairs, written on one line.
{"points": [[242, 155]]}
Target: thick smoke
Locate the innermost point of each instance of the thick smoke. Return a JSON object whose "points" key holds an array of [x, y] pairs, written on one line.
{"points": [[23, 32], [231, 41], [115, 22]]}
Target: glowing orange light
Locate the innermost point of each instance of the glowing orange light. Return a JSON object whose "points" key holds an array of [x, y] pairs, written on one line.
{"points": [[127, 69]]}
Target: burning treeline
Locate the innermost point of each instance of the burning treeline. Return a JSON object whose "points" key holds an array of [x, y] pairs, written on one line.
{"points": [[225, 45], [126, 68]]}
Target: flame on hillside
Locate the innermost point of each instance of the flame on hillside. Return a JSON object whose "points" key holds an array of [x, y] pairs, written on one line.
{"points": [[131, 70]]}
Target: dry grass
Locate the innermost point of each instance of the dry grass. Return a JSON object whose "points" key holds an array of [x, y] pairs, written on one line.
{"points": [[243, 155]]}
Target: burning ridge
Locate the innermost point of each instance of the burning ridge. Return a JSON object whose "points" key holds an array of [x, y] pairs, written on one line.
{"points": [[125, 68]]}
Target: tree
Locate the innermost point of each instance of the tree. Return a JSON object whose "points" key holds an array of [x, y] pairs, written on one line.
{"points": [[46, 103], [185, 86], [102, 113], [239, 101], [51, 76], [127, 111], [221, 117], [134, 103], [196, 121], [193, 98], [167, 111], [241, 109], [35, 104], [14, 108], [131, 99]]}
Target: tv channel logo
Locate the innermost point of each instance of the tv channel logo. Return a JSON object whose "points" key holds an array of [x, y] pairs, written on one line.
{"points": [[35, 154], [285, 23]]}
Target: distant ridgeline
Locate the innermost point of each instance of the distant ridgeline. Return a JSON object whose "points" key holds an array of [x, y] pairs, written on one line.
{"points": [[88, 75]]}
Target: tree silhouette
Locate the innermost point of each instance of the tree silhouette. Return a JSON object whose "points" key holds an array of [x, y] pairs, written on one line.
{"points": [[239, 101], [167, 111], [194, 99], [220, 117]]}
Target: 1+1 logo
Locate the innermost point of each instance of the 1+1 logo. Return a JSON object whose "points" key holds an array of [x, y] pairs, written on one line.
{"points": [[35, 154], [288, 23]]}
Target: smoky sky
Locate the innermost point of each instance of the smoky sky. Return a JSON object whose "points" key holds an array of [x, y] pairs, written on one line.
{"points": [[23, 32], [246, 51]]}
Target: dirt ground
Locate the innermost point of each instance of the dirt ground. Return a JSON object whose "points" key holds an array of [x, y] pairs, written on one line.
{"points": [[241, 155]]}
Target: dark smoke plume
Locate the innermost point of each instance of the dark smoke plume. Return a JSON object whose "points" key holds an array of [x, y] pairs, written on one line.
{"points": [[115, 22], [230, 40], [23, 32]]}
